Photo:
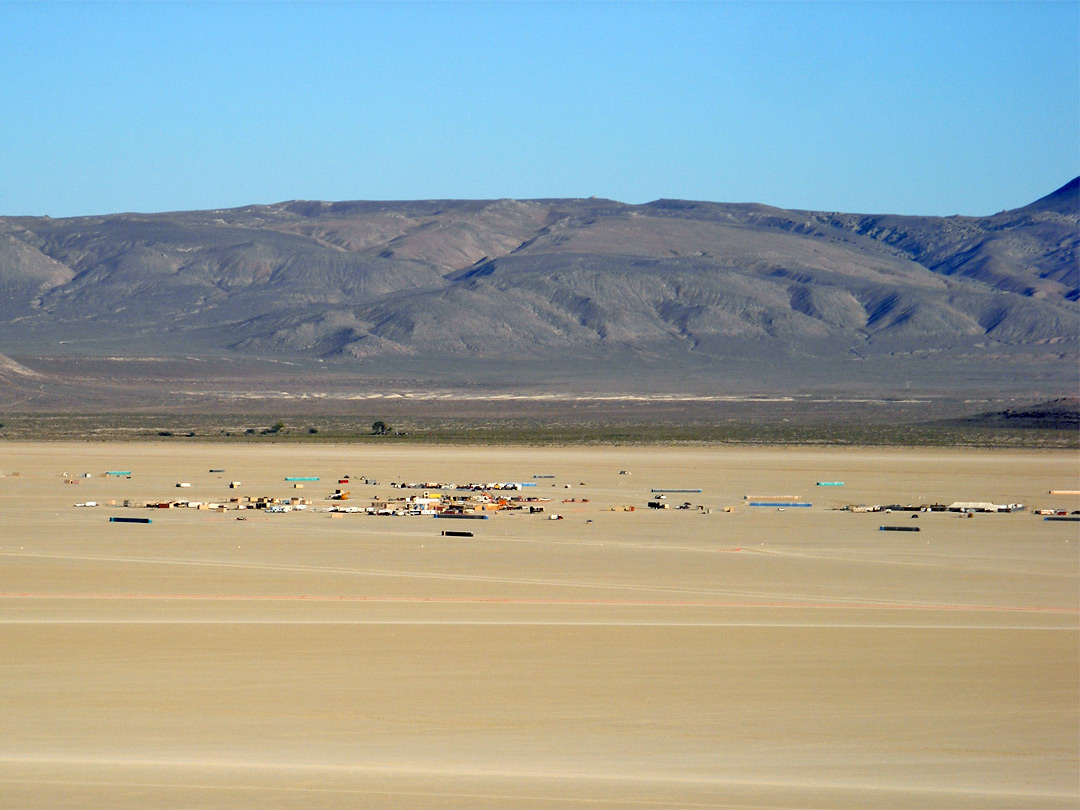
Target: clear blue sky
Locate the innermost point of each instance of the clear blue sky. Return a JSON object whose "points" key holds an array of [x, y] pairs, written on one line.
{"points": [[908, 107]]}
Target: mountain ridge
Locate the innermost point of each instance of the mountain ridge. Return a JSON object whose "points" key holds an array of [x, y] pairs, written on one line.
{"points": [[499, 286]]}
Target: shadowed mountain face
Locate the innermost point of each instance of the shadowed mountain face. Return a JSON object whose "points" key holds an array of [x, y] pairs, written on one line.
{"points": [[518, 291]]}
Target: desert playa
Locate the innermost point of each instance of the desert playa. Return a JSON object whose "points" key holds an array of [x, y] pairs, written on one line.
{"points": [[752, 658]]}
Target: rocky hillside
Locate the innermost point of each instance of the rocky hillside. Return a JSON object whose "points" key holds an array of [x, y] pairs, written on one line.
{"points": [[596, 283]]}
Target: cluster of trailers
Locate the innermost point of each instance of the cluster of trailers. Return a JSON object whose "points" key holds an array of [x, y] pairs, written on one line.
{"points": [[963, 507], [479, 502]]}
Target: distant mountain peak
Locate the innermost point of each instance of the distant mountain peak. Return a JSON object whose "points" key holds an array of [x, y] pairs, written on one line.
{"points": [[1065, 200], [678, 287]]}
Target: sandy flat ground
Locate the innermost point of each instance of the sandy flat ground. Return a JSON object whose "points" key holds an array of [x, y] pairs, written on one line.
{"points": [[677, 659]]}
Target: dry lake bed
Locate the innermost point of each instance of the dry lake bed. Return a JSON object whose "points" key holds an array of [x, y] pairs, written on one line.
{"points": [[755, 658]]}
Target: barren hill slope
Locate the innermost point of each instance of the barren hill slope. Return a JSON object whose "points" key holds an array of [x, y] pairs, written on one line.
{"points": [[514, 289]]}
